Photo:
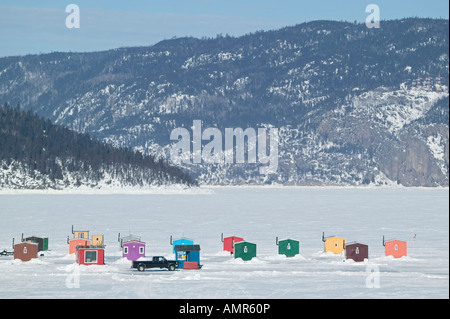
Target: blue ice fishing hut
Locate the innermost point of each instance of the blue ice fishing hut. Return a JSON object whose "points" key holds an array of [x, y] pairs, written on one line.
{"points": [[180, 241], [188, 256]]}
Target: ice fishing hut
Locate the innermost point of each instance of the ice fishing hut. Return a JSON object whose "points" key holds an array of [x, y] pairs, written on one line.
{"points": [[80, 238], [133, 250], [288, 247], [90, 255], [356, 251], [333, 244], [73, 243], [181, 241], [188, 256], [25, 251], [97, 240], [124, 239], [244, 250], [395, 248], [41, 241], [83, 234], [228, 242]]}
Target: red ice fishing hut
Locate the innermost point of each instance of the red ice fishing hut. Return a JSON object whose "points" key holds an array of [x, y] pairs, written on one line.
{"points": [[25, 251], [90, 255], [228, 243]]}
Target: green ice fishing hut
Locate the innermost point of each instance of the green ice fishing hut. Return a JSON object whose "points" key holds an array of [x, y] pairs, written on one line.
{"points": [[288, 247], [244, 250]]}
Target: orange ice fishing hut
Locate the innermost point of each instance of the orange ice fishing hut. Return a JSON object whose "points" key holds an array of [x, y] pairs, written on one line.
{"points": [[395, 248], [80, 238]]}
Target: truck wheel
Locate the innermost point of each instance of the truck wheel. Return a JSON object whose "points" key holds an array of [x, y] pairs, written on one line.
{"points": [[171, 267], [141, 267]]}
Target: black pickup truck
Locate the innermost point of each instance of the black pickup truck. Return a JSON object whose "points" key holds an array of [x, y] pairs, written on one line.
{"points": [[6, 253], [155, 262]]}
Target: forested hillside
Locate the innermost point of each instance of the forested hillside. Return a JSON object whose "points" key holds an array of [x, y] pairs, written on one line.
{"points": [[34, 153]]}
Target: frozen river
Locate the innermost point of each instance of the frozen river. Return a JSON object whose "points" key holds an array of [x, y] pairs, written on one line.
{"points": [[259, 215]]}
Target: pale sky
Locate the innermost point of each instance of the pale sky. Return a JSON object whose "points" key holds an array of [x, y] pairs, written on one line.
{"points": [[31, 26]]}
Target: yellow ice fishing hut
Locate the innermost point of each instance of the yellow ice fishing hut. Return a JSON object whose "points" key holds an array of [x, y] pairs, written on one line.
{"points": [[333, 244], [97, 240], [80, 234]]}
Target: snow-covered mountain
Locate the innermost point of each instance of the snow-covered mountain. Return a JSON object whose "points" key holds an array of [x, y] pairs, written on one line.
{"points": [[352, 105]]}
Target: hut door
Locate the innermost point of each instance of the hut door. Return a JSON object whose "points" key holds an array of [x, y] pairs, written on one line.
{"points": [[357, 250], [396, 247], [245, 249], [181, 255], [25, 250], [288, 246]]}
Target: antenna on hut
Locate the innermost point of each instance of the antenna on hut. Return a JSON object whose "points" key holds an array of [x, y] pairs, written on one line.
{"points": [[323, 236], [171, 243], [119, 240], [67, 239], [22, 238], [13, 243], [277, 241], [221, 238], [72, 229], [384, 244]]}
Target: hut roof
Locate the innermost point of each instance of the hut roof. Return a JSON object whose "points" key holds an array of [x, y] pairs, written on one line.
{"points": [[133, 241], [40, 237], [287, 239], [394, 240], [355, 243], [90, 247], [26, 243], [182, 238], [187, 247], [244, 242], [130, 237]]}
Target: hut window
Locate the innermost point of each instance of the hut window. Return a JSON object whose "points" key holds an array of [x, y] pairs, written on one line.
{"points": [[357, 250], [289, 246], [245, 249], [125, 250], [335, 244], [141, 250], [24, 250], [90, 256], [396, 247]]}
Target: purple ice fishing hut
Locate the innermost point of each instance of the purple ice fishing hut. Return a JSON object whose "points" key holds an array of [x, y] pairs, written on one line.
{"points": [[133, 250]]}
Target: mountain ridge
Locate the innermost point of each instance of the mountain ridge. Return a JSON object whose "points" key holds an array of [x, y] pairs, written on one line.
{"points": [[310, 80]]}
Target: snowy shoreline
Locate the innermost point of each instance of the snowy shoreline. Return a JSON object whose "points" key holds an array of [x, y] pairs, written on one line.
{"points": [[180, 190], [101, 191]]}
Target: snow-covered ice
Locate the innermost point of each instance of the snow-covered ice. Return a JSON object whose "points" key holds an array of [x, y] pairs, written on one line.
{"points": [[258, 214]]}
